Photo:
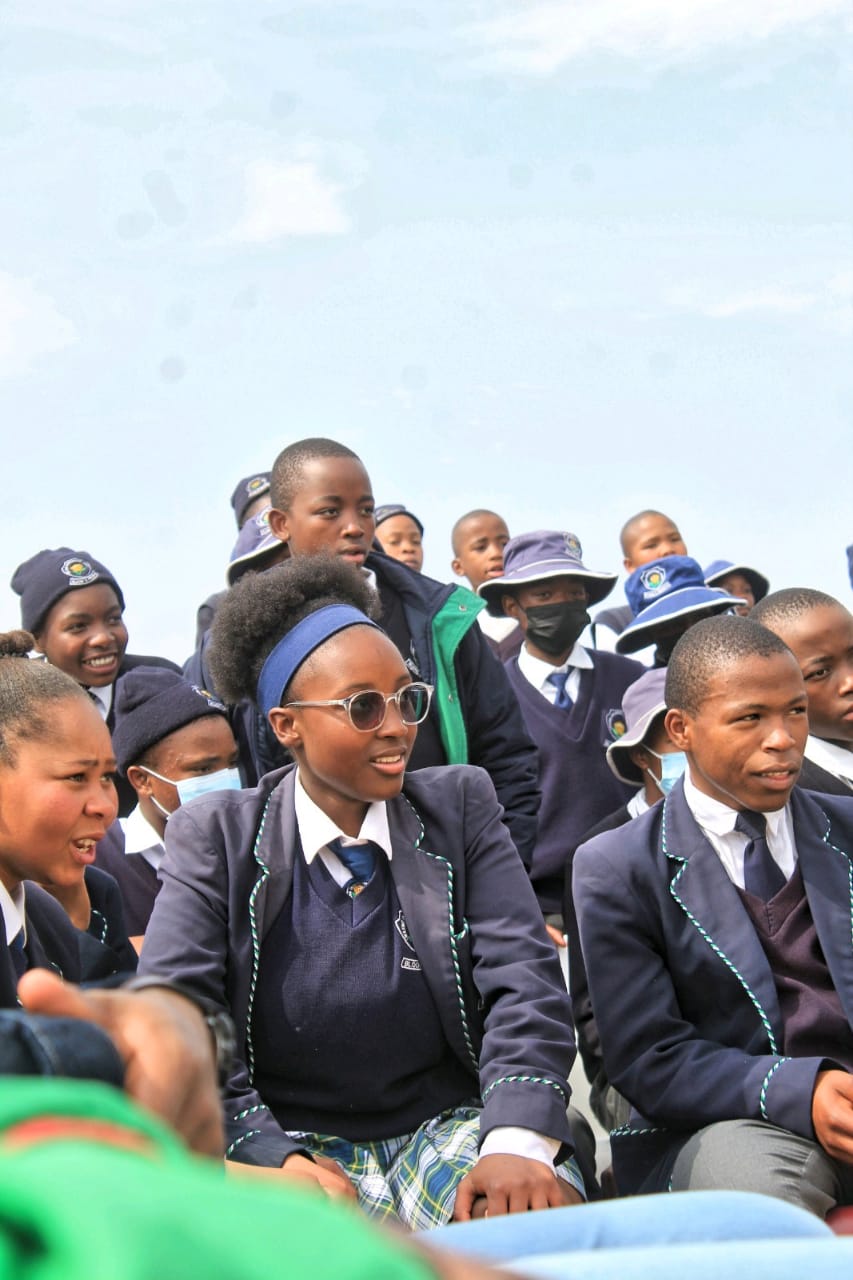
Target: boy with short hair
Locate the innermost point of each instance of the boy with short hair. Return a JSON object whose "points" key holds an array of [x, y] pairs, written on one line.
{"points": [[819, 631], [645, 537], [668, 597], [570, 697], [323, 505], [716, 934], [478, 539]]}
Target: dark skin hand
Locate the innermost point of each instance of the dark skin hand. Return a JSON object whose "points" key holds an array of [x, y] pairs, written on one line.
{"points": [[502, 1184], [165, 1045], [325, 1174], [832, 1114]]}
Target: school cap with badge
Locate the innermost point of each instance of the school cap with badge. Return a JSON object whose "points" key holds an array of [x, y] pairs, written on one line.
{"points": [[642, 703], [664, 592], [49, 575], [246, 491], [253, 547], [151, 703], [718, 570], [534, 557]]}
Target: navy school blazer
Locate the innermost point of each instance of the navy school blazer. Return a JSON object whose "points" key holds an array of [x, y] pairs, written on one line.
{"points": [[471, 913], [684, 998], [51, 944]]}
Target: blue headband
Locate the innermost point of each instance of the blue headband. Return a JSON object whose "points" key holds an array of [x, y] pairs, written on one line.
{"points": [[292, 650]]}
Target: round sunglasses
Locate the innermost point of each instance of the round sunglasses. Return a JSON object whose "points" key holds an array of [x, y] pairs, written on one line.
{"points": [[367, 710]]}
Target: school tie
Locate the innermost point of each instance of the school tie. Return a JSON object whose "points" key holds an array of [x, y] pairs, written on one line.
{"points": [[761, 875], [558, 680], [18, 955], [359, 860]]}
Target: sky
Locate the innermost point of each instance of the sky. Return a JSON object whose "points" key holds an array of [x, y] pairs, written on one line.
{"points": [[566, 260]]}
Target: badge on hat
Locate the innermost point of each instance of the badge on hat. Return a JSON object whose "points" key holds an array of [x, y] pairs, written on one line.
{"points": [[79, 572], [653, 579], [573, 546], [210, 698], [615, 721], [256, 483]]}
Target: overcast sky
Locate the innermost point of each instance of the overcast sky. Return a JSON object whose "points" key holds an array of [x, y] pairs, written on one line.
{"points": [[563, 259]]}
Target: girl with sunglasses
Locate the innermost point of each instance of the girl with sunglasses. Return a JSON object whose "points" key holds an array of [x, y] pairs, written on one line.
{"points": [[403, 1032]]}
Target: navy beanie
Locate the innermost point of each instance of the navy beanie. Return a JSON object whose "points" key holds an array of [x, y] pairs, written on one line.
{"points": [[49, 575], [249, 488], [151, 703], [389, 509]]}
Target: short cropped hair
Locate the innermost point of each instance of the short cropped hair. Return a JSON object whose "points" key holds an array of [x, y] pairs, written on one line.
{"points": [[790, 604], [290, 463], [628, 527], [29, 692], [476, 514], [712, 646], [263, 607]]}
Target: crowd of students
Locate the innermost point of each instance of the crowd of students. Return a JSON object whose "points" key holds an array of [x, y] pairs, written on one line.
{"points": [[373, 812]]}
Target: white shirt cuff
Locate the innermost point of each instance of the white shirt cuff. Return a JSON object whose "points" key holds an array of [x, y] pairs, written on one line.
{"points": [[510, 1140]]}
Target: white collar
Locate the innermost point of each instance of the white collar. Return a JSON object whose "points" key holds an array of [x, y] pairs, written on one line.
{"points": [[13, 907], [316, 828], [830, 756], [718, 818], [102, 698], [139, 835], [539, 672]]}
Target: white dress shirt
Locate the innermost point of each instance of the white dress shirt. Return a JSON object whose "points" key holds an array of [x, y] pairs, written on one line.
{"points": [[140, 837], [830, 756], [102, 698], [717, 821], [538, 672], [13, 906], [316, 829]]}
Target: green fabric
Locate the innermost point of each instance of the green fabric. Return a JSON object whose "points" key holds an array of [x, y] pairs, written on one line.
{"points": [[450, 625], [74, 1209]]}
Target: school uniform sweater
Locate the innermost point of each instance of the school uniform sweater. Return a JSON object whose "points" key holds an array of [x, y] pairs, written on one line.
{"points": [[578, 788], [134, 871]]}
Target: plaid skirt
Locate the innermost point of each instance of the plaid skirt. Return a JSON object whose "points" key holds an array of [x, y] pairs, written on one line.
{"points": [[412, 1179]]}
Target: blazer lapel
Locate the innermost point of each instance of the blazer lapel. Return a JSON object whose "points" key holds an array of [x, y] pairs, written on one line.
{"points": [[274, 850], [423, 882], [704, 891], [828, 876]]}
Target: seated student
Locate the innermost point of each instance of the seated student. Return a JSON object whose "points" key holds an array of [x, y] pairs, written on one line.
{"points": [[667, 598], [570, 697], [371, 931], [646, 537], [400, 535], [478, 539], [646, 758], [56, 801], [250, 497], [716, 935], [738, 580], [74, 607], [322, 502], [172, 742], [819, 632]]}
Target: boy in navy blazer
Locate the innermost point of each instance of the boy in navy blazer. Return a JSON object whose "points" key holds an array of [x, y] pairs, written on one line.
{"points": [[717, 934]]}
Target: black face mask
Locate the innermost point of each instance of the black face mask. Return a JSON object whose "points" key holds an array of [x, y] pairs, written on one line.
{"points": [[554, 628]]}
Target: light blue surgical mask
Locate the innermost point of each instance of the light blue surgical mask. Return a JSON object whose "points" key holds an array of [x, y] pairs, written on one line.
{"points": [[191, 788], [672, 766]]}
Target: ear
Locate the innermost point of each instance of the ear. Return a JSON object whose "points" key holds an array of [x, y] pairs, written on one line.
{"points": [[278, 524], [38, 639], [628, 565], [640, 757], [456, 566], [679, 726], [513, 609], [284, 722], [139, 780]]}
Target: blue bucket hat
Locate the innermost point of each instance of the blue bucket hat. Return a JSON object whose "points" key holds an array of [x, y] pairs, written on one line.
{"points": [[255, 541], [664, 591], [247, 489], [719, 569], [545, 553]]}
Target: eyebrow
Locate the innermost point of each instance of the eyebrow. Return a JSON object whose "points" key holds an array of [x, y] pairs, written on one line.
{"points": [[89, 762]]}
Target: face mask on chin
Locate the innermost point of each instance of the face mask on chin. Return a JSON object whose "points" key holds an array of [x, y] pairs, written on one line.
{"points": [[555, 628], [672, 766]]}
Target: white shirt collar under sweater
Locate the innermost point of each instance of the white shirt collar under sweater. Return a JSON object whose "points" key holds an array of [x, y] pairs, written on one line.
{"points": [[13, 906], [102, 698], [537, 672], [717, 821], [829, 756], [140, 837], [316, 829]]}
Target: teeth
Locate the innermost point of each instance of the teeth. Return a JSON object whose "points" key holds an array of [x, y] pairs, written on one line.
{"points": [[100, 662], [86, 845]]}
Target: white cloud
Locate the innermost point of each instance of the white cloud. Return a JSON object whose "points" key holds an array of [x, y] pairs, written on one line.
{"points": [[539, 38], [31, 326], [829, 301], [289, 198]]}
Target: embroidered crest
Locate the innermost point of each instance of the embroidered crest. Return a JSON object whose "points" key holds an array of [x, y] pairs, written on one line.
{"points": [[79, 572], [573, 546], [654, 579], [256, 483], [403, 929], [615, 722], [408, 963], [262, 519], [210, 698]]}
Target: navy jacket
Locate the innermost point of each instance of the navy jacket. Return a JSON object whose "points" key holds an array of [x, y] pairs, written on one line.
{"points": [[684, 998], [472, 916], [51, 944]]}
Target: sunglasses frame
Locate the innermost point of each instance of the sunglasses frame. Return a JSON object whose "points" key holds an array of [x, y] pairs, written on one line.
{"points": [[346, 703]]}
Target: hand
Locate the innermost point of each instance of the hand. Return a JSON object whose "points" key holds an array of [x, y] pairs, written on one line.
{"points": [[323, 1172], [555, 935], [165, 1045], [832, 1114], [511, 1184]]}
